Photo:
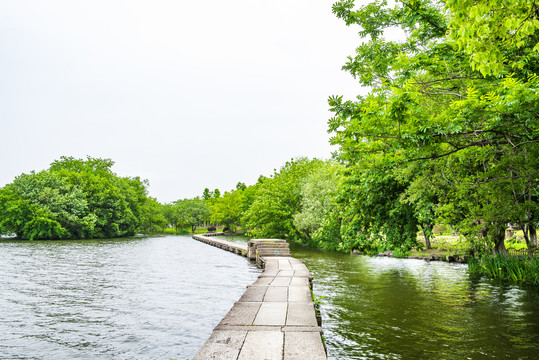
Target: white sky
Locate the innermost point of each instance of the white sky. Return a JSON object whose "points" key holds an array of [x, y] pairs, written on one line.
{"points": [[186, 94]]}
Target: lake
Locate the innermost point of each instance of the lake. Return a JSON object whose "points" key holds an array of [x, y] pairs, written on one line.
{"points": [[138, 298], [160, 298], [386, 308]]}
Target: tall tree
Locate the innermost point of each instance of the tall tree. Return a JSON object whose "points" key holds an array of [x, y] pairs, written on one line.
{"points": [[319, 216], [442, 98]]}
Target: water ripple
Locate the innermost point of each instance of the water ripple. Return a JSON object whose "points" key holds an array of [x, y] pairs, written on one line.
{"points": [[386, 308], [144, 298]]}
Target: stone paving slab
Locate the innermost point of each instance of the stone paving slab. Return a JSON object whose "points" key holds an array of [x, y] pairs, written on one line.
{"points": [[284, 264], [286, 328], [271, 314], [301, 314], [253, 294], [263, 281], [222, 345], [271, 264], [276, 294], [252, 328], [270, 273], [302, 273], [262, 345], [302, 346], [242, 313], [315, 329], [299, 281], [281, 281], [299, 294], [286, 273], [299, 267]]}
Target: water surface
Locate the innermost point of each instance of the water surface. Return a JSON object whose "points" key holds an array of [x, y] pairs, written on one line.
{"points": [[139, 298], [385, 308]]}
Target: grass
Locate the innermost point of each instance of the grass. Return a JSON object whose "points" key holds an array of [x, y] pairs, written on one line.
{"points": [[448, 244], [520, 270], [442, 245], [504, 268]]}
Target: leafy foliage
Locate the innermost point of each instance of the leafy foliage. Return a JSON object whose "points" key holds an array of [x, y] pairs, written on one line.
{"points": [[277, 200], [227, 209], [318, 216], [523, 270], [450, 127], [192, 212], [75, 199]]}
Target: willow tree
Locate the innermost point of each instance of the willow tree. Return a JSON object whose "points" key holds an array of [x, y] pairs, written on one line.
{"points": [[454, 104]]}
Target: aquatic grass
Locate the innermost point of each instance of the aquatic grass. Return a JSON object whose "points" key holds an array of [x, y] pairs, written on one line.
{"points": [[515, 269]]}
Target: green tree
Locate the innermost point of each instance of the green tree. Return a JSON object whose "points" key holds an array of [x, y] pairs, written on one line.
{"points": [[171, 212], [374, 216], [319, 216], [192, 212], [437, 101], [73, 199], [277, 200], [207, 194], [227, 210]]}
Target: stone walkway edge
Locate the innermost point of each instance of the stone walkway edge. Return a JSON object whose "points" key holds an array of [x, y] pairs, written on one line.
{"points": [[274, 319]]}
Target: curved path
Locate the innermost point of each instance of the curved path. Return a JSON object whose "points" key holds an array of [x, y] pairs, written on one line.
{"points": [[273, 320]]}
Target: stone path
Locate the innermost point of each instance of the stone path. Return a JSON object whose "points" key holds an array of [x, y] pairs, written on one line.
{"points": [[273, 320], [237, 248]]}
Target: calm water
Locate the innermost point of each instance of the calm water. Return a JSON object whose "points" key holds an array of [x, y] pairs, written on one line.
{"points": [[142, 298], [384, 308]]}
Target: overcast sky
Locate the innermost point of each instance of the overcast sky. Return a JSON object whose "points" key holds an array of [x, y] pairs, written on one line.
{"points": [[186, 94]]}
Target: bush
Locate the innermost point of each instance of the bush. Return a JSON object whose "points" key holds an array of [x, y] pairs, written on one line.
{"points": [[400, 253]]}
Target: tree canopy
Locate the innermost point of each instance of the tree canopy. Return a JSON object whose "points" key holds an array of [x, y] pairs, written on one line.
{"points": [[75, 199], [454, 105]]}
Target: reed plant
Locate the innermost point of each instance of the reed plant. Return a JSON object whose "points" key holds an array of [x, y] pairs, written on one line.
{"points": [[514, 269]]}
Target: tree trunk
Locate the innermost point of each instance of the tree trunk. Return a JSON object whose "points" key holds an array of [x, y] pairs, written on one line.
{"points": [[304, 236], [533, 235], [530, 236], [427, 233], [498, 234], [427, 242]]}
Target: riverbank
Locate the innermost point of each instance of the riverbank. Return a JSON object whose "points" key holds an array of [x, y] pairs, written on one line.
{"points": [[451, 248], [427, 254]]}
